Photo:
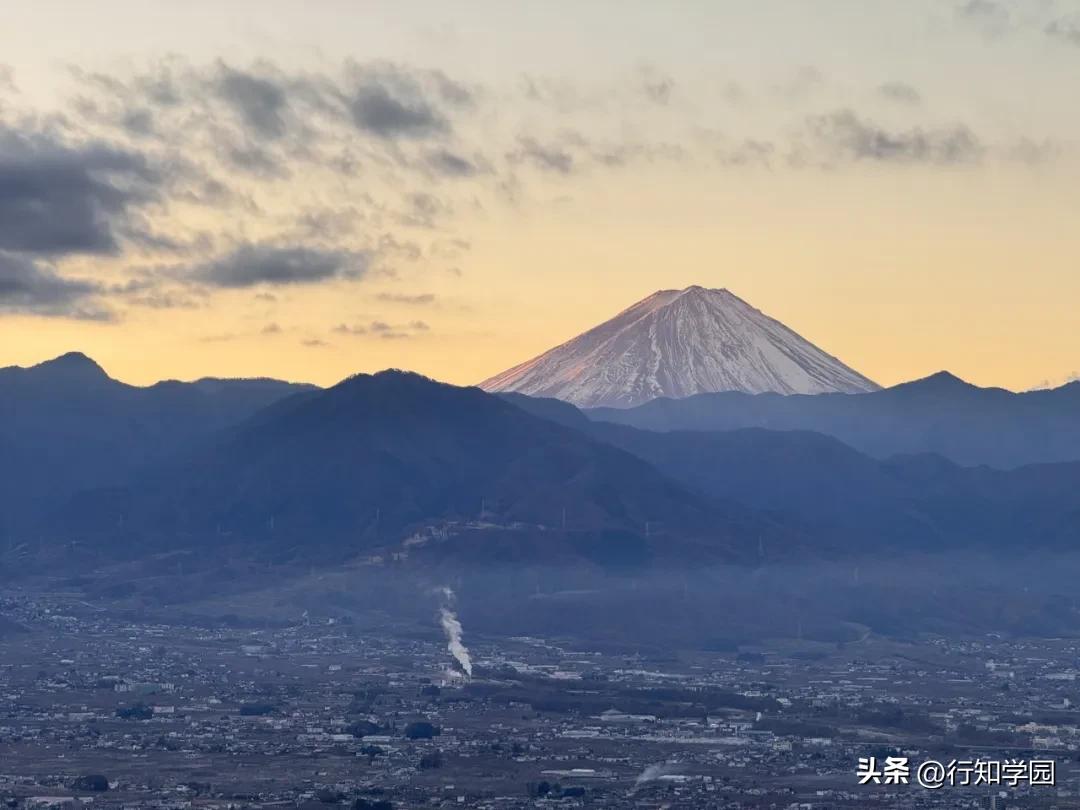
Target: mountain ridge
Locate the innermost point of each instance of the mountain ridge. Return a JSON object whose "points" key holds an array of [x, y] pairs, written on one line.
{"points": [[79, 363], [940, 413], [66, 424]]}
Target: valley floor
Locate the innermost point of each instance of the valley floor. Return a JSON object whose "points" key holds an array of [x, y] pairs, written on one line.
{"points": [[330, 711]]}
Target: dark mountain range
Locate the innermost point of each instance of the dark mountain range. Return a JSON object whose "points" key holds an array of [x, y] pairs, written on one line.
{"points": [[850, 500], [65, 425], [362, 463], [940, 414]]}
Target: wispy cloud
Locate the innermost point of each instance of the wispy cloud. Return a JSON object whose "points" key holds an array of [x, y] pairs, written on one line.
{"points": [[415, 299], [844, 136]]}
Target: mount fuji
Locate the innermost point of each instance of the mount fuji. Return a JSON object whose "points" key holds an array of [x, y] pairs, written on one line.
{"points": [[677, 343]]}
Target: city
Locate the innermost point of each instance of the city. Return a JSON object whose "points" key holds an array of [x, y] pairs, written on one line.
{"points": [[341, 710]]}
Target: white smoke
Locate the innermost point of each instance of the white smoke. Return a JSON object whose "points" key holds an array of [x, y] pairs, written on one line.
{"points": [[654, 772], [452, 627]]}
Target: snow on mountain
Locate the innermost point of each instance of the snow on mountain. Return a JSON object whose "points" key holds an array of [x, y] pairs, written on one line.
{"points": [[676, 343]]}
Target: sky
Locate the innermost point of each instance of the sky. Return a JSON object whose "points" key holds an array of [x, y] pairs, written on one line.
{"points": [[310, 190]]}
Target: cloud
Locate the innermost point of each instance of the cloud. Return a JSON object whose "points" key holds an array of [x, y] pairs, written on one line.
{"points": [[390, 245], [346, 329], [424, 210], [271, 329], [256, 160], [990, 16], [1034, 153], [544, 157], [224, 337], [740, 153], [27, 287], [259, 101], [263, 122], [844, 136], [314, 343], [657, 87], [253, 264], [392, 102], [138, 122], [981, 9], [806, 82], [995, 18], [571, 151], [450, 249], [61, 198], [166, 299], [328, 223], [404, 298], [1065, 30], [451, 164], [149, 289], [374, 109], [384, 330], [900, 93]]}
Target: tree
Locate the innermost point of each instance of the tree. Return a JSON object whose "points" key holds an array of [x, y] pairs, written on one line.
{"points": [[93, 782], [139, 711], [363, 728], [372, 804], [422, 730]]}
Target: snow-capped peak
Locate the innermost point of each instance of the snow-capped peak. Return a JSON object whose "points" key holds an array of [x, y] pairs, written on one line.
{"points": [[677, 343]]}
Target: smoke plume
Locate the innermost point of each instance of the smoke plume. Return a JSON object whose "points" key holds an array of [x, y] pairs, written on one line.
{"points": [[452, 627], [654, 772]]}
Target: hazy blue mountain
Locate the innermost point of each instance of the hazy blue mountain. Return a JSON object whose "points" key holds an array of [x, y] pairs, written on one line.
{"points": [[847, 499], [940, 414], [66, 425]]}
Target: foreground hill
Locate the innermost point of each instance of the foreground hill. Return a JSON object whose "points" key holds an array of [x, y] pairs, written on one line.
{"points": [[940, 414], [676, 343], [358, 465]]}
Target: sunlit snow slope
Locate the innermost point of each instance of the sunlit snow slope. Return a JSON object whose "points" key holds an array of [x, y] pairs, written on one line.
{"points": [[676, 343]]}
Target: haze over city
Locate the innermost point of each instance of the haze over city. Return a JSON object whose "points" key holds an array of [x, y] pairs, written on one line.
{"points": [[251, 189]]}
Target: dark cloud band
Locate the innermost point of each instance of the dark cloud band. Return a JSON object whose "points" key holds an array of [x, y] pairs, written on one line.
{"points": [[252, 265]]}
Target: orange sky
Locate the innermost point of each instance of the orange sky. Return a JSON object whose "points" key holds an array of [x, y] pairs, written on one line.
{"points": [[907, 202]]}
